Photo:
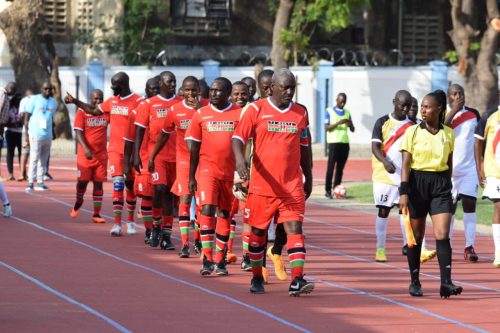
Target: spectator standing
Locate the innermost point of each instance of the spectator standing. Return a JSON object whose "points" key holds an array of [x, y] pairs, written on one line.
{"points": [[337, 123], [39, 133]]}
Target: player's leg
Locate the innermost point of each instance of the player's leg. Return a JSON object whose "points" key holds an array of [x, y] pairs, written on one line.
{"points": [[167, 203], [385, 197], [84, 174], [195, 212], [222, 229], [184, 223], [131, 201], [230, 256], [329, 170], [7, 207], [343, 154], [207, 234], [470, 221], [274, 252], [245, 237], [99, 176], [116, 170], [496, 231]]}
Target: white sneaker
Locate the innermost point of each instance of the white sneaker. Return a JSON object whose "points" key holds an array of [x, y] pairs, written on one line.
{"points": [[496, 262], [41, 187], [131, 228], [7, 210], [116, 230], [271, 232]]}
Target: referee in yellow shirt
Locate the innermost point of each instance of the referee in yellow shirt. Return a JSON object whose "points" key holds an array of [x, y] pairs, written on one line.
{"points": [[426, 188]]}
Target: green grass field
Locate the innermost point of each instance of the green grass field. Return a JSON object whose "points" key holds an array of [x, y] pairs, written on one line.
{"points": [[362, 192]]}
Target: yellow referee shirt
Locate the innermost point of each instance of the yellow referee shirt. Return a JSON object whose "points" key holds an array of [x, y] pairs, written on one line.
{"points": [[429, 152], [488, 129]]}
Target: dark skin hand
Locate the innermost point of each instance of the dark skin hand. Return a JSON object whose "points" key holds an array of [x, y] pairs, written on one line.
{"points": [[456, 100]]}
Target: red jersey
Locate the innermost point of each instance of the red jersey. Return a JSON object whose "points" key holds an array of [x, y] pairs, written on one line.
{"points": [[130, 136], [178, 120], [94, 130], [119, 109], [277, 137], [214, 129], [152, 114]]}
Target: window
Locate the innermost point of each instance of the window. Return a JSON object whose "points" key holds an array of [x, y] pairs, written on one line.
{"points": [[56, 16], [85, 16]]}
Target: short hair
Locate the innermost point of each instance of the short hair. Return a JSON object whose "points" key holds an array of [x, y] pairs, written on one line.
{"points": [[266, 73], [192, 79], [240, 83], [227, 84]]}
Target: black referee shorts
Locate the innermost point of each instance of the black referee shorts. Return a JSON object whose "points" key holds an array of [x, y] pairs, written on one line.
{"points": [[429, 193]]}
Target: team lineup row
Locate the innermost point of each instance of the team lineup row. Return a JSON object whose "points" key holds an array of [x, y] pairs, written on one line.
{"points": [[183, 146]]}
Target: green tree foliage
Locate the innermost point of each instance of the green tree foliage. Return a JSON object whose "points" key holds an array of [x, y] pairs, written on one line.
{"points": [[307, 15], [136, 37]]}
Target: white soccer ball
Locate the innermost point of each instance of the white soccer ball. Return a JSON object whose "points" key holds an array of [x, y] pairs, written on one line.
{"points": [[240, 191], [340, 192]]}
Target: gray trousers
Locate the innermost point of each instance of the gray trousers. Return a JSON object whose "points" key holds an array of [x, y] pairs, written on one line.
{"points": [[39, 155]]}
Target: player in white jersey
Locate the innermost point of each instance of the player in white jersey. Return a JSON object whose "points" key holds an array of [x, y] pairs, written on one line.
{"points": [[464, 120], [386, 165]]}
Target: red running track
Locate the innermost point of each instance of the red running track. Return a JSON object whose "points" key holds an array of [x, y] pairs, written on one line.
{"points": [[58, 274]]}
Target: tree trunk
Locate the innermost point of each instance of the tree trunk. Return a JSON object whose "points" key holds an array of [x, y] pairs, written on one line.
{"points": [[32, 54], [479, 72], [281, 22]]}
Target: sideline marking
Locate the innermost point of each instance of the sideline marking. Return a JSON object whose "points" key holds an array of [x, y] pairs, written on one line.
{"points": [[67, 298], [170, 277]]}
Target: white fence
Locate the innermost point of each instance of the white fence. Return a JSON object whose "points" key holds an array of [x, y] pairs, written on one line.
{"points": [[369, 90]]}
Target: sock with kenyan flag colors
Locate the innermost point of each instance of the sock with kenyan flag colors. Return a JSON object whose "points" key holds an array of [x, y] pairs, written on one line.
{"points": [[80, 192], [232, 230], [166, 225], [296, 254], [118, 206], [256, 252], [147, 211], [131, 202], [196, 230], [157, 216], [184, 223], [245, 236], [97, 200], [221, 238], [207, 235]]}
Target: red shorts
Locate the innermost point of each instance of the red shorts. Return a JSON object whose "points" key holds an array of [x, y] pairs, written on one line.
{"points": [[260, 210], [215, 192], [164, 173], [142, 185], [181, 184], [115, 164], [91, 170]]}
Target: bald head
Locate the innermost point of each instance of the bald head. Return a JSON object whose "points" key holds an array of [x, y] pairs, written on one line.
{"points": [[120, 84], [456, 96], [282, 75], [455, 87], [11, 88], [96, 97], [402, 104], [282, 88]]}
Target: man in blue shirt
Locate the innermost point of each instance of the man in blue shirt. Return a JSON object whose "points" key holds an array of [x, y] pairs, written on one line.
{"points": [[39, 135]]}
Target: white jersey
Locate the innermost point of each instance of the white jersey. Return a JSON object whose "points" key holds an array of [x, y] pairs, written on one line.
{"points": [[464, 124]]}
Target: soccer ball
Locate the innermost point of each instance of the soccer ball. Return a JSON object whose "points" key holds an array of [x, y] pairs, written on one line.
{"points": [[340, 192]]}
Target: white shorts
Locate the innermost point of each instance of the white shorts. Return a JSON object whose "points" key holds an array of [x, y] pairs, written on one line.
{"points": [[464, 185], [385, 195], [492, 189]]}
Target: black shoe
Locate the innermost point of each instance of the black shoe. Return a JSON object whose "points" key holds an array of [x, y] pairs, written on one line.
{"points": [[300, 286], [166, 243], [328, 195], [147, 235], [470, 254], [245, 263], [197, 246], [416, 289], [257, 285], [154, 240], [448, 289], [184, 252], [220, 268], [405, 250], [207, 268]]}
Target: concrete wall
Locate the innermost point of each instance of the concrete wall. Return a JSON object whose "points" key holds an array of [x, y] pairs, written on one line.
{"points": [[369, 90]]}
